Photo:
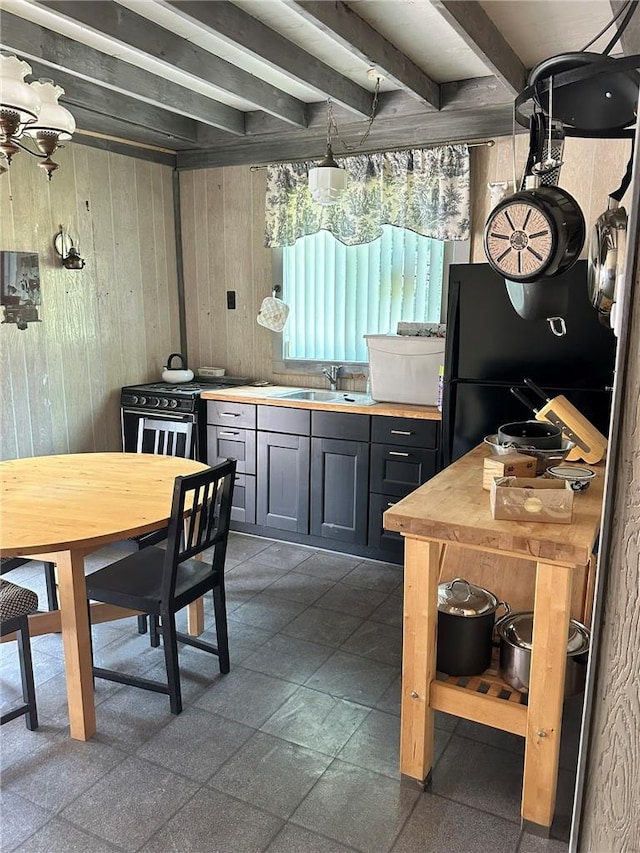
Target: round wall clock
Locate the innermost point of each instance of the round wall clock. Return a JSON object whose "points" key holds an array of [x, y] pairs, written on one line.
{"points": [[534, 234]]}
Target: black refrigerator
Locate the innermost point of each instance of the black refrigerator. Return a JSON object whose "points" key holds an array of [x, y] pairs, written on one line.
{"points": [[490, 348]]}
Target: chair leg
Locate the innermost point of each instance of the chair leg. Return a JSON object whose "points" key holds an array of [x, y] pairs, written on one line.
{"points": [[154, 632], [220, 611], [52, 589], [26, 673], [142, 625], [170, 644]]}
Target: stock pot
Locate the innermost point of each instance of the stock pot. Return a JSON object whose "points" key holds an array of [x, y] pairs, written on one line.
{"points": [[516, 631], [466, 617]]}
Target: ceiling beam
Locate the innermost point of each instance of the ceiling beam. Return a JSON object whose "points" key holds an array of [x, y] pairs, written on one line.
{"points": [[630, 39], [486, 41], [356, 35], [473, 94], [438, 128], [90, 122], [235, 27], [35, 42], [119, 23], [121, 108], [118, 146]]}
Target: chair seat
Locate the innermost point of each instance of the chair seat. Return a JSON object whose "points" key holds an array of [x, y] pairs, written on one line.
{"points": [[137, 578], [16, 601]]}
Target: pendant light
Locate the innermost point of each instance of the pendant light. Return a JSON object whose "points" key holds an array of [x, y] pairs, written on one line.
{"points": [[328, 180]]}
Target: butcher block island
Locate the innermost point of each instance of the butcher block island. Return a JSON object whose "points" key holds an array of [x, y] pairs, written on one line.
{"points": [[545, 567]]}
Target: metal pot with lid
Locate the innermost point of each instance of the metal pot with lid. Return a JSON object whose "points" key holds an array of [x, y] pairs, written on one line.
{"points": [[516, 637], [466, 617]]}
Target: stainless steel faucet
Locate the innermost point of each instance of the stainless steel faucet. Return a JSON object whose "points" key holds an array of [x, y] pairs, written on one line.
{"points": [[331, 373]]}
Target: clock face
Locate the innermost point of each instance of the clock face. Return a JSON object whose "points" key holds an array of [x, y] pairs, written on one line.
{"points": [[519, 240]]}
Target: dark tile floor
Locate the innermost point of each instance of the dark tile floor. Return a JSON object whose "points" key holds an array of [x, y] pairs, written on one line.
{"points": [[295, 751]]}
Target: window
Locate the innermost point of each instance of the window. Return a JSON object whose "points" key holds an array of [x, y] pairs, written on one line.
{"points": [[337, 293]]}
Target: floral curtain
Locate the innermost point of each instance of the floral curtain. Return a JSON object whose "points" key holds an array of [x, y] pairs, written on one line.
{"points": [[424, 190]]}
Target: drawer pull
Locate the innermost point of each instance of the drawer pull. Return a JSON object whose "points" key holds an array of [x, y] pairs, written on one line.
{"points": [[398, 453], [230, 414], [400, 432], [229, 432]]}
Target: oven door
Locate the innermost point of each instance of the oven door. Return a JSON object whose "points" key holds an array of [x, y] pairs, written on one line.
{"points": [[130, 419]]}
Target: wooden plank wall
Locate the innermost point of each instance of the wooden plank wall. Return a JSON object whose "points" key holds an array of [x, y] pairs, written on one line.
{"points": [[112, 323], [611, 802], [223, 234]]}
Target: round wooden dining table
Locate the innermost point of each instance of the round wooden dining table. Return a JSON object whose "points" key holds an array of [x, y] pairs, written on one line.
{"points": [[61, 508]]}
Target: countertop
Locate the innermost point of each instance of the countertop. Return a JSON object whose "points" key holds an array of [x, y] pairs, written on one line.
{"points": [[264, 396], [453, 507]]}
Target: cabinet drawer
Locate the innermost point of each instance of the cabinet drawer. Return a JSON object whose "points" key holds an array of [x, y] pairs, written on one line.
{"points": [[231, 442], [283, 419], [345, 426], [243, 507], [224, 413], [388, 541], [410, 432], [399, 470]]}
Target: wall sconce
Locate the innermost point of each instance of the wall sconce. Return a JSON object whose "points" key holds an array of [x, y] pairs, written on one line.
{"points": [[63, 244]]}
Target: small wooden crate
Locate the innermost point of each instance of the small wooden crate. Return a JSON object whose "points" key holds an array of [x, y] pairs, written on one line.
{"points": [[507, 465], [526, 499]]}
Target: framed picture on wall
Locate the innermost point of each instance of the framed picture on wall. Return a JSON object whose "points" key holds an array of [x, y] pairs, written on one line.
{"points": [[20, 287]]}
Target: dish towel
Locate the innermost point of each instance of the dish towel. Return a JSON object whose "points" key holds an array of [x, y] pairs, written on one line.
{"points": [[273, 314]]}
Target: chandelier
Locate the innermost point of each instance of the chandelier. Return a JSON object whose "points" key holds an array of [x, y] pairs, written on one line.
{"points": [[32, 111]]}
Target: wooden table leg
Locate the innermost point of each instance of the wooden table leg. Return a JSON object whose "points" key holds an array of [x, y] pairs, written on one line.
{"points": [[546, 694], [195, 618], [418, 656], [72, 591]]}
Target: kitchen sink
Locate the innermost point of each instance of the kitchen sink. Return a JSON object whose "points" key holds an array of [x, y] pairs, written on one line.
{"points": [[345, 398], [320, 396]]}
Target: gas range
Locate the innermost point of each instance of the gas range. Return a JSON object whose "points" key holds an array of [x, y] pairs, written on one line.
{"points": [[177, 398]]}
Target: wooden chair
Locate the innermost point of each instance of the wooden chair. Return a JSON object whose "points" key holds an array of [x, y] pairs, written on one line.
{"points": [[161, 582], [16, 603], [7, 564], [167, 438]]}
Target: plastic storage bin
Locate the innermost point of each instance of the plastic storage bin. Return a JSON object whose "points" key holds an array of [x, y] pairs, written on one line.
{"points": [[405, 369]]}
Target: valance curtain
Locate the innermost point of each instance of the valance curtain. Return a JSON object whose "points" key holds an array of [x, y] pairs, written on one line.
{"points": [[423, 190]]}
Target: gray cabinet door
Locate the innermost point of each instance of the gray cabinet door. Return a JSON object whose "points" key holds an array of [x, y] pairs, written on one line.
{"points": [[283, 482], [340, 489]]}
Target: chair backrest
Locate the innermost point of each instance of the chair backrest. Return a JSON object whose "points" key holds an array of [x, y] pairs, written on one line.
{"points": [[167, 438], [200, 518]]}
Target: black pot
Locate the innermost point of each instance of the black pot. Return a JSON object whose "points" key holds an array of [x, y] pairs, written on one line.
{"points": [[466, 616], [538, 434]]}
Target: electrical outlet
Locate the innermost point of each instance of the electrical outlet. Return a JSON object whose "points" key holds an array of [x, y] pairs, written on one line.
{"points": [[231, 299]]}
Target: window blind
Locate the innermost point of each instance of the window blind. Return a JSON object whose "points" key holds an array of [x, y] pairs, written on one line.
{"points": [[338, 294]]}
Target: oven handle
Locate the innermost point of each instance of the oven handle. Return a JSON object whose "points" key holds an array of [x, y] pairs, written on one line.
{"points": [[161, 414]]}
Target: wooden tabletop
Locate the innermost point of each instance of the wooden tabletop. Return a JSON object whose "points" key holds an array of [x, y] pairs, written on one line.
{"points": [[55, 503], [453, 507], [266, 396]]}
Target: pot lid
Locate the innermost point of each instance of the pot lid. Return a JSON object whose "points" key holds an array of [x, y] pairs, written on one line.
{"points": [[517, 629], [461, 598]]}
